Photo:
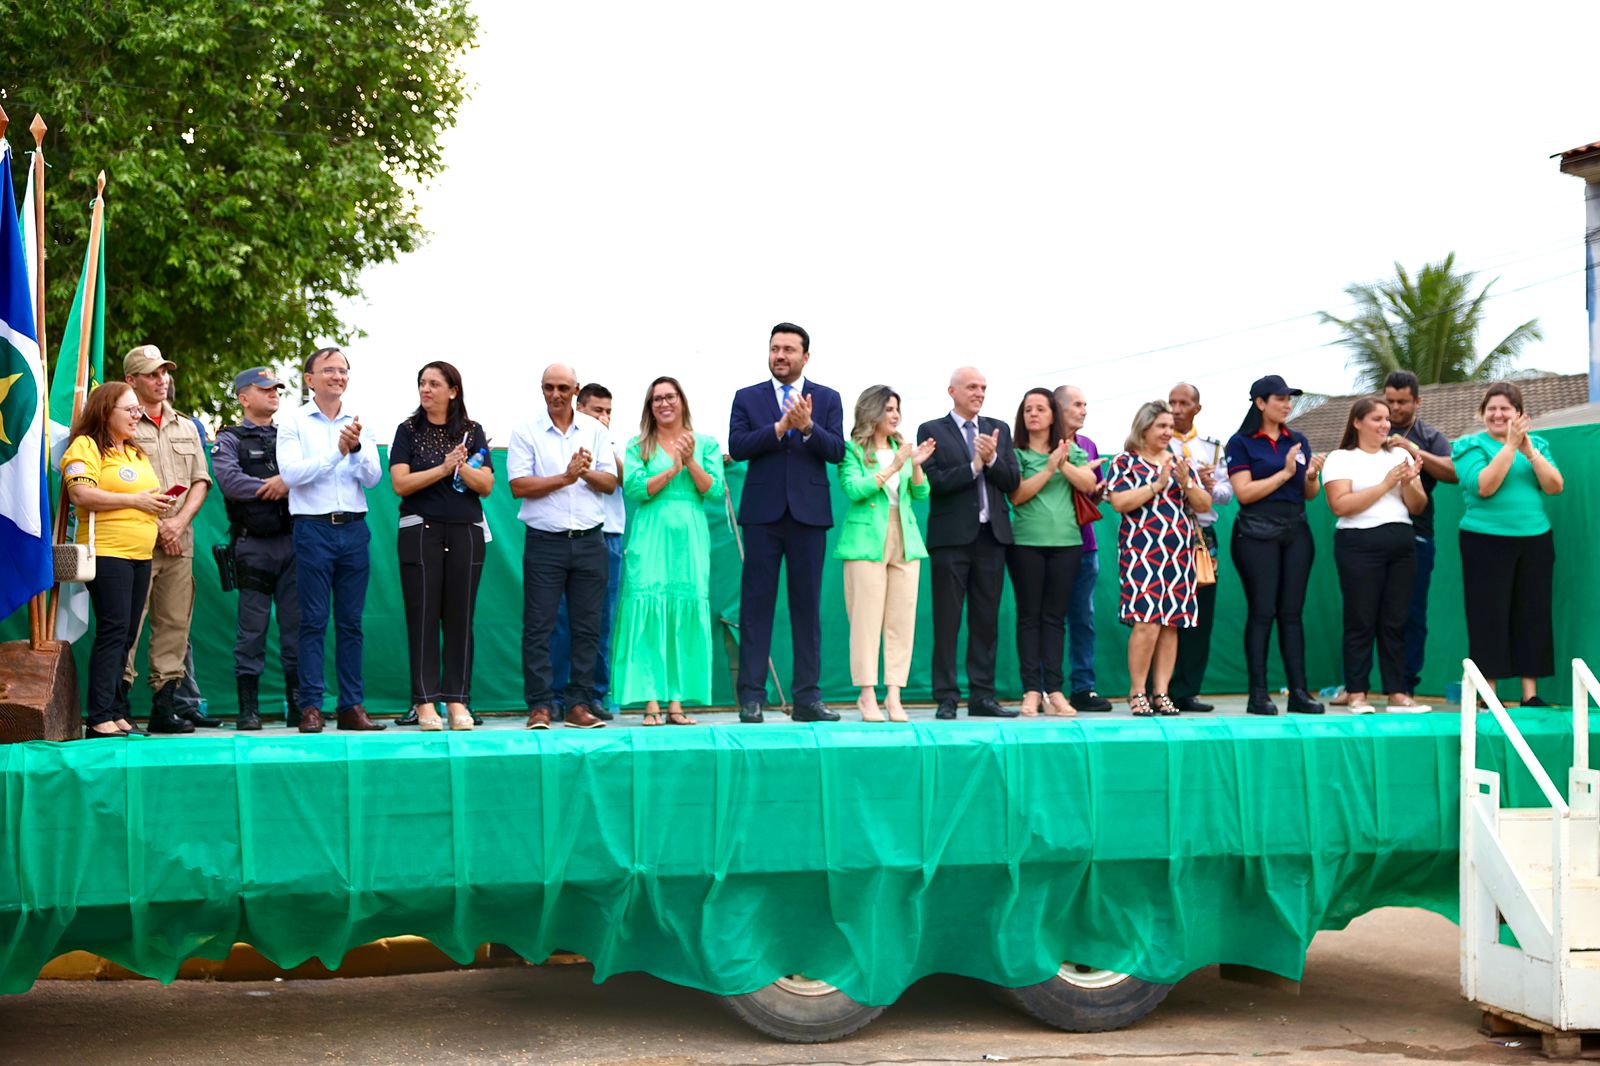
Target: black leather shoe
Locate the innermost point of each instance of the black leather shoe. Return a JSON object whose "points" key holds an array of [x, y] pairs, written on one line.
{"points": [[477, 719], [409, 718], [91, 733], [813, 712], [164, 716], [1300, 702], [199, 718], [947, 709], [601, 713], [1260, 703], [989, 707], [248, 720], [750, 713], [1089, 701], [1193, 705]]}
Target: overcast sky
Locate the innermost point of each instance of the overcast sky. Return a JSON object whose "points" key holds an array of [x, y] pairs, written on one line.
{"points": [[1116, 197]]}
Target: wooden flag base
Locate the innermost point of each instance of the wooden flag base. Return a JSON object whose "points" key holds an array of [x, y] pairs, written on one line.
{"points": [[39, 694]]}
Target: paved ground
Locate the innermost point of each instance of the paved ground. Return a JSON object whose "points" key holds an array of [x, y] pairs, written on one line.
{"points": [[1382, 991]]}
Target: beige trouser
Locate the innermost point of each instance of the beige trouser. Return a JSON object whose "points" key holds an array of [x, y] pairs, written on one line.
{"points": [[169, 607], [881, 600]]}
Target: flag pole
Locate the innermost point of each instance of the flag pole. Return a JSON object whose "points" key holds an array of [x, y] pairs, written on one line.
{"points": [[85, 335], [36, 605]]}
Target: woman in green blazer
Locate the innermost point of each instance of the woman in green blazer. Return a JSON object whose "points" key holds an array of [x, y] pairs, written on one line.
{"points": [[882, 548]]}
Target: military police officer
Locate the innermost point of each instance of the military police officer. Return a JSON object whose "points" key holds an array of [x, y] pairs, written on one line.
{"points": [[246, 464]]}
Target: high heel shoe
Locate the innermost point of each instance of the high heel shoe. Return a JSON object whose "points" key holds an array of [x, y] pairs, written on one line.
{"points": [[428, 719], [91, 733], [461, 720], [896, 712]]}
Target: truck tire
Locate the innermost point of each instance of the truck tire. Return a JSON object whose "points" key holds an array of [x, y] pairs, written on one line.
{"points": [[799, 1010], [1079, 999]]}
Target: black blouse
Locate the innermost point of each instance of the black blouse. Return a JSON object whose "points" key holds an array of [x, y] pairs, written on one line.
{"points": [[426, 449]]}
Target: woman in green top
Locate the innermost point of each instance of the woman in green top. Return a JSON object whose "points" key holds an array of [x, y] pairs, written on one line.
{"points": [[1046, 546], [662, 633], [881, 547], [1508, 556]]}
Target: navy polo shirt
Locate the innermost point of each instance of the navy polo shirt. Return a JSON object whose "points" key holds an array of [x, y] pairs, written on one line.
{"points": [[1263, 457]]}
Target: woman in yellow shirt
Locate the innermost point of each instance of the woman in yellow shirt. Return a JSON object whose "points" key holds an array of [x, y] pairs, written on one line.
{"points": [[106, 475]]}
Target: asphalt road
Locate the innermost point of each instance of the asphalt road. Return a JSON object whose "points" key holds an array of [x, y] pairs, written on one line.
{"points": [[1382, 991]]}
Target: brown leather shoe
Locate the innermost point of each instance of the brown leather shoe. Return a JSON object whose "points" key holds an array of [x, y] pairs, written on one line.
{"points": [[355, 718], [579, 716], [539, 718], [310, 720]]}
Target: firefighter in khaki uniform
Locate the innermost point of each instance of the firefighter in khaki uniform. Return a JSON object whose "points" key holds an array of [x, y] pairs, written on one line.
{"points": [[173, 444]]}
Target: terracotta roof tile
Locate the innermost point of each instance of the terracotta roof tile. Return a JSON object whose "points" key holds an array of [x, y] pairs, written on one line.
{"points": [[1452, 408], [1573, 153]]}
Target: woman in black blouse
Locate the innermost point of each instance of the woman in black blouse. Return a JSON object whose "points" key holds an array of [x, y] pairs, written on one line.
{"points": [[441, 541]]}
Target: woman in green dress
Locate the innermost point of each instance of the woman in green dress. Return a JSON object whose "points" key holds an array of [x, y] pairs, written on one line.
{"points": [[662, 632]]}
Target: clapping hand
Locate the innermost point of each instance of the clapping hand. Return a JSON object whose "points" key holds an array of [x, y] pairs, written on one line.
{"points": [[1290, 459], [1517, 434], [923, 453], [1180, 467], [1409, 472], [1208, 476], [986, 446], [1314, 467], [800, 413], [1061, 454], [350, 437], [683, 449], [579, 465], [1164, 473], [455, 457]]}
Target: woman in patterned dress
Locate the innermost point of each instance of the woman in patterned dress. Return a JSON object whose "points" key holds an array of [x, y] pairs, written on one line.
{"points": [[1154, 494]]}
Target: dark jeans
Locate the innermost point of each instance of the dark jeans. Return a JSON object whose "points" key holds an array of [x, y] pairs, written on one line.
{"points": [[555, 565], [1274, 575], [331, 570], [970, 575], [118, 592], [1041, 581], [1376, 569], [561, 642], [1194, 643], [440, 566], [266, 570], [1509, 597], [1417, 613], [1080, 622]]}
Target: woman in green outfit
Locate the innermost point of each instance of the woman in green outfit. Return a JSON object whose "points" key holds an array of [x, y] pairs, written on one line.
{"points": [[882, 548], [662, 633], [1508, 556], [1046, 546]]}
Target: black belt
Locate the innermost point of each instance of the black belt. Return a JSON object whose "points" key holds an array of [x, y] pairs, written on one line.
{"points": [[334, 518], [567, 534]]}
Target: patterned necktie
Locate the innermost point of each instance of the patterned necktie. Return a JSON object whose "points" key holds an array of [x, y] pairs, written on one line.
{"points": [[788, 391], [971, 432]]}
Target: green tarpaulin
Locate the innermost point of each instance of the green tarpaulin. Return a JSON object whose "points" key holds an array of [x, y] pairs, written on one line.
{"points": [[497, 680], [723, 858]]}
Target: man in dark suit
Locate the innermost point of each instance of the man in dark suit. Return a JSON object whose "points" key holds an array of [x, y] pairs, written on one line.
{"points": [[973, 467], [789, 430]]}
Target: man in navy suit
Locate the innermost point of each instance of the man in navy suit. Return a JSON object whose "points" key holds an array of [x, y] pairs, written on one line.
{"points": [[972, 470], [789, 430]]}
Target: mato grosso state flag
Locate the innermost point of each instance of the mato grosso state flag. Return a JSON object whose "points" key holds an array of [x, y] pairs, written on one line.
{"points": [[26, 566]]}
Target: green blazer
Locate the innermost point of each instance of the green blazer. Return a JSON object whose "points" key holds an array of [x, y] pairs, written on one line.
{"points": [[866, 527]]}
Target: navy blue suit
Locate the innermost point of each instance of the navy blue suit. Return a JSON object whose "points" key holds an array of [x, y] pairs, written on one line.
{"points": [[785, 513]]}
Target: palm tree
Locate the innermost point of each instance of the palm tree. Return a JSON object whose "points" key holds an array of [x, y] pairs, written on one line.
{"points": [[1427, 325]]}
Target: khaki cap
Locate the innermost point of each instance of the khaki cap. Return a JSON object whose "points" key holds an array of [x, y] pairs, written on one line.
{"points": [[145, 359]]}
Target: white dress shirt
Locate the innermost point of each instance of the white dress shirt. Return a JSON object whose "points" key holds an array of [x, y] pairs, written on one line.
{"points": [[1205, 451], [613, 503], [321, 479], [539, 449]]}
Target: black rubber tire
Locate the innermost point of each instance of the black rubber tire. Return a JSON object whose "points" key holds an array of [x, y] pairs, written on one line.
{"points": [[1116, 1001], [798, 1018]]}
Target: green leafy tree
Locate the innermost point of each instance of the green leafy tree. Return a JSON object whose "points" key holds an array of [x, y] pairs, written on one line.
{"points": [[1427, 324], [259, 156]]}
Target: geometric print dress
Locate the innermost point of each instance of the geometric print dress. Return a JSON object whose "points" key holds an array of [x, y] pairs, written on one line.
{"points": [[1155, 550]]}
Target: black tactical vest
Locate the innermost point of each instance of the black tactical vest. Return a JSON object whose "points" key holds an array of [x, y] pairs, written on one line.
{"points": [[258, 457]]}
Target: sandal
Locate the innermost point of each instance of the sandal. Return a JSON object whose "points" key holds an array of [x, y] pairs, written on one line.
{"points": [[428, 719], [1030, 705], [1164, 705], [1140, 706], [679, 718], [1060, 706], [651, 718]]}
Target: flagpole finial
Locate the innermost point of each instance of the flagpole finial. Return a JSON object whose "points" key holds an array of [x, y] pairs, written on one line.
{"points": [[38, 129], [5, 120], [100, 188]]}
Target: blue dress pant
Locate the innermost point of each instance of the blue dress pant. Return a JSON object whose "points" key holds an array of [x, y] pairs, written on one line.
{"points": [[331, 570], [1080, 623]]}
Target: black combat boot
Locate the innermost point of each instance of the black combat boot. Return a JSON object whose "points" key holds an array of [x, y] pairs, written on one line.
{"points": [[249, 703], [291, 696], [164, 716]]}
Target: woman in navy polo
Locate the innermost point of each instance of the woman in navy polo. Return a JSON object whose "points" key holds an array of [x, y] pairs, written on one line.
{"points": [[1273, 473]]}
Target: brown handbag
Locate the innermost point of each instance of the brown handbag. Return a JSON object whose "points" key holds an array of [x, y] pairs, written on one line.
{"points": [[1205, 567], [1085, 509]]}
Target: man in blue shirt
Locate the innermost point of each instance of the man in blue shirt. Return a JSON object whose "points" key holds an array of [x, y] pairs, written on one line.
{"points": [[328, 465]]}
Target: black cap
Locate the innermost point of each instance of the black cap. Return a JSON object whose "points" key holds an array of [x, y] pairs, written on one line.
{"points": [[1271, 385]]}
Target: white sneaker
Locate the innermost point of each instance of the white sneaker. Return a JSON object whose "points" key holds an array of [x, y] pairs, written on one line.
{"points": [[1414, 708], [1362, 708]]}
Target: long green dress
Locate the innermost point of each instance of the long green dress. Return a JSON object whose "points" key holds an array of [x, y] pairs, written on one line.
{"points": [[661, 639]]}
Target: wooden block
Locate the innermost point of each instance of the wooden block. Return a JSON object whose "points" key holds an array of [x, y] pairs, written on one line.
{"points": [[1561, 1045], [39, 696]]}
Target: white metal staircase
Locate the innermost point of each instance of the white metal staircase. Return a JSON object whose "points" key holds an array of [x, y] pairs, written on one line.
{"points": [[1535, 870]]}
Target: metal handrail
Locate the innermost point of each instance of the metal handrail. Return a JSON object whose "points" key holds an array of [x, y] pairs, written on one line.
{"points": [[1584, 689], [1473, 683]]}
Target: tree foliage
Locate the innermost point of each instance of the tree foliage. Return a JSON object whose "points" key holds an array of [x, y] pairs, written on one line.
{"points": [[259, 156], [1427, 324]]}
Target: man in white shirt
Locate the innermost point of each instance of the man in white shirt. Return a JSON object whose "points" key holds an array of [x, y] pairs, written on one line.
{"points": [[1205, 459], [328, 463], [561, 467]]}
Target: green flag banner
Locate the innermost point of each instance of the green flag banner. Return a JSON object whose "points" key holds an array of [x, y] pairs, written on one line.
{"points": [[65, 376]]}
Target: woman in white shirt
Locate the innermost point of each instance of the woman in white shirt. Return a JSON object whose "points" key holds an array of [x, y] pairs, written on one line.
{"points": [[1374, 489]]}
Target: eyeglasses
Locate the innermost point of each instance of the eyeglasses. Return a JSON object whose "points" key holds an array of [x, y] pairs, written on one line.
{"points": [[135, 410], [670, 397], [335, 371]]}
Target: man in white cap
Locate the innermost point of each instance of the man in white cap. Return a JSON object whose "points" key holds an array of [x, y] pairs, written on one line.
{"points": [[175, 450]]}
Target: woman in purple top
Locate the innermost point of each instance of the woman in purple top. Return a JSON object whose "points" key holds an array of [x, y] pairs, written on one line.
{"points": [[1080, 611]]}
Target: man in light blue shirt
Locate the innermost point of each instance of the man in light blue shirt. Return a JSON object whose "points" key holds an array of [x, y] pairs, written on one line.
{"points": [[328, 464]]}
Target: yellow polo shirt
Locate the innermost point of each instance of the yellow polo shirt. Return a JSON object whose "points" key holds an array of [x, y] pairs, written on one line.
{"points": [[124, 533]]}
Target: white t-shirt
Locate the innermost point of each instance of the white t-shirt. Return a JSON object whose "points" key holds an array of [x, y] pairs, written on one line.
{"points": [[1364, 470], [891, 485]]}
